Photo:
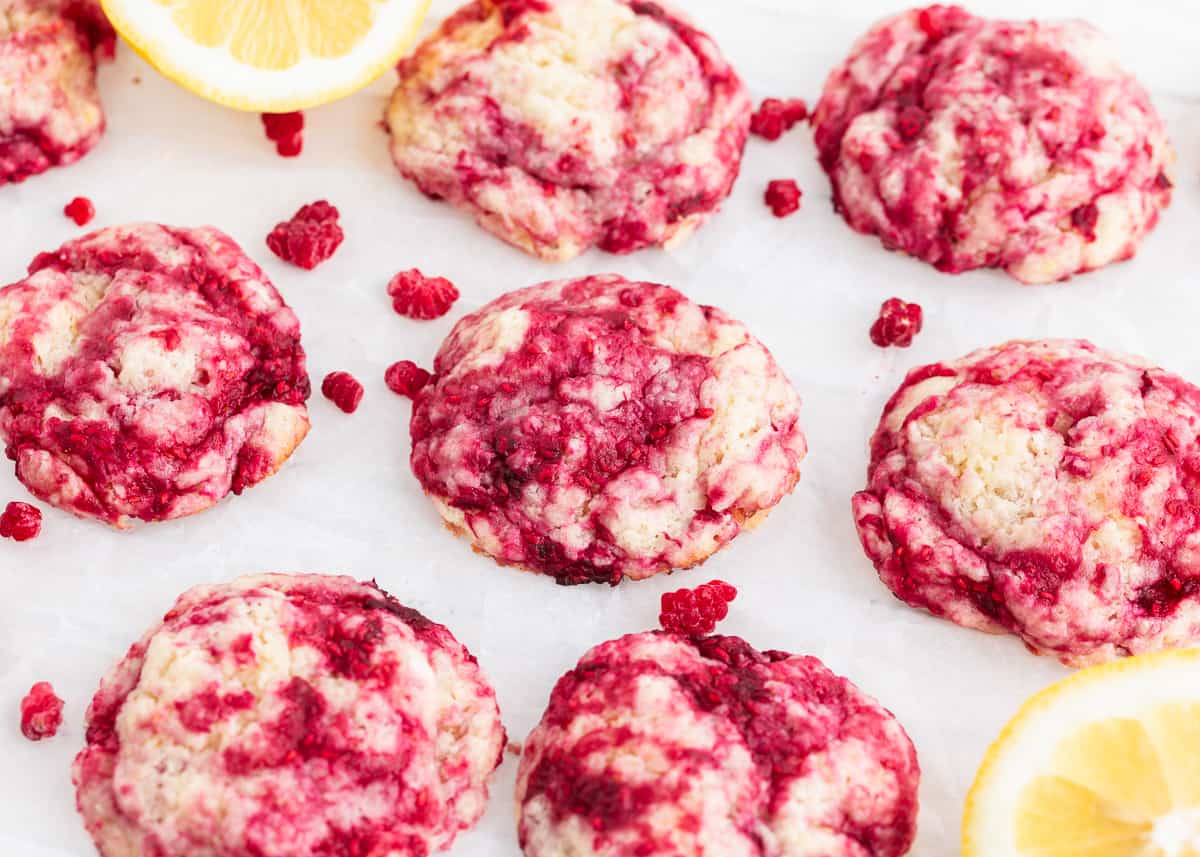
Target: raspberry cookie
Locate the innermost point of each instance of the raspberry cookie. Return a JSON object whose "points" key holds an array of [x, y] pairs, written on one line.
{"points": [[50, 112], [659, 745], [146, 372], [1049, 489], [566, 124], [971, 143], [283, 715], [596, 429]]}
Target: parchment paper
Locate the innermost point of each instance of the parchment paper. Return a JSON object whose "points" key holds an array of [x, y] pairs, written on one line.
{"points": [[72, 601]]}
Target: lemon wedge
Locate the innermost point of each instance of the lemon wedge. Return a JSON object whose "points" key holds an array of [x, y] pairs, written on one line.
{"points": [[269, 55], [1103, 764]]}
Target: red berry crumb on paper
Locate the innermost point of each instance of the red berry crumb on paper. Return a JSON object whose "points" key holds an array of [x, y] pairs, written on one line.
{"points": [[343, 389], [20, 522], [310, 237], [695, 612], [783, 196], [81, 210], [775, 116], [406, 378], [897, 324], [415, 295], [286, 131], [41, 712]]}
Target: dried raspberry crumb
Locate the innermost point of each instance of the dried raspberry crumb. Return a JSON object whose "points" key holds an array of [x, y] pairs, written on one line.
{"points": [[406, 378], [20, 522], [1084, 218], [514, 748], [81, 210], [936, 22], [310, 237], [696, 611], [510, 10], [281, 125], [1163, 182], [168, 336], [910, 122], [776, 116], [343, 389], [415, 295], [290, 148], [286, 131], [41, 712], [897, 324], [783, 196]]}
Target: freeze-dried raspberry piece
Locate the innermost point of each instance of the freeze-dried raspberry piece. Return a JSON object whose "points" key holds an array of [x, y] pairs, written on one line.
{"points": [[776, 116], [696, 611], [20, 522], [41, 712], [286, 131], [783, 197], [897, 324], [343, 389], [417, 296], [310, 237], [405, 378], [81, 210]]}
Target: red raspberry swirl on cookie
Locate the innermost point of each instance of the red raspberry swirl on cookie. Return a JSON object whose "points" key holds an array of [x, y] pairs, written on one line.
{"points": [[599, 428], [146, 372], [660, 745]]}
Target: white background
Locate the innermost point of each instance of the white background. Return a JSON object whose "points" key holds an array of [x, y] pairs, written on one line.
{"points": [[72, 601]]}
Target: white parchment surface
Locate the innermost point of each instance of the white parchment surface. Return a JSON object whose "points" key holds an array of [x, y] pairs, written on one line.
{"points": [[72, 601]]}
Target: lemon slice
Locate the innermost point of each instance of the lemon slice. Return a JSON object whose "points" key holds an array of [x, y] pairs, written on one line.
{"points": [[269, 55], [1103, 764]]}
